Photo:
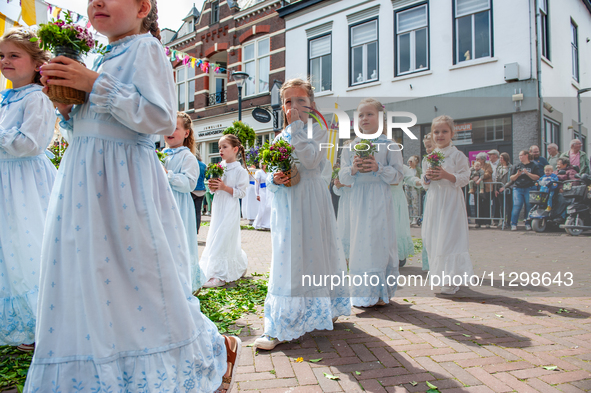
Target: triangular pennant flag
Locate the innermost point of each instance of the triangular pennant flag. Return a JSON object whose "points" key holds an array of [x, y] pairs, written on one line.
{"points": [[28, 12]]}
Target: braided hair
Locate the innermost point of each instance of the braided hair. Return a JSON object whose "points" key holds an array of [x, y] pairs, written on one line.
{"points": [[150, 22]]}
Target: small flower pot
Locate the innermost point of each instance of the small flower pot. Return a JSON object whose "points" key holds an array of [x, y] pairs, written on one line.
{"points": [[294, 176], [63, 94], [364, 170]]}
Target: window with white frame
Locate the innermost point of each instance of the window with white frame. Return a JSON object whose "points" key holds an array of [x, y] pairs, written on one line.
{"points": [[574, 41], [215, 12], [185, 87], [494, 130], [412, 40], [187, 28], [364, 52], [256, 61], [551, 133], [264, 138], [545, 33], [473, 29], [320, 52]]}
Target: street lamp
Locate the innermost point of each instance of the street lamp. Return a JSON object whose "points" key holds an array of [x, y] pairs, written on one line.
{"points": [[240, 78], [579, 92], [276, 104]]}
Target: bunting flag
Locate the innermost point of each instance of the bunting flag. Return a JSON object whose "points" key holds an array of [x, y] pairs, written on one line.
{"points": [[186, 59], [6, 24]]}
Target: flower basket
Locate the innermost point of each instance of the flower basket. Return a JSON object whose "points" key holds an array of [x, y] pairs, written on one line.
{"points": [[294, 176], [65, 38], [365, 149], [279, 157]]}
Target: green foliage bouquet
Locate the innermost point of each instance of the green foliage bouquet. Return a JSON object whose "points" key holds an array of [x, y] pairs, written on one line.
{"points": [[161, 156], [243, 132], [365, 148], [215, 170]]}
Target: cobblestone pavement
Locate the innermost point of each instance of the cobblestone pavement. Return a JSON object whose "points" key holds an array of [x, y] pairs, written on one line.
{"points": [[493, 339]]}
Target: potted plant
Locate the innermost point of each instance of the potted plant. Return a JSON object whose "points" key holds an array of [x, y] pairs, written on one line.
{"points": [[161, 156], [215, 170], [365, 149], [279, 156], [243, 132], [435, 159], [65, 38]]}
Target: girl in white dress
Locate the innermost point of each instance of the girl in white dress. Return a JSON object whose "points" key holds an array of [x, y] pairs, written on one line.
{"points": [[27, 119], [182, 170], [223, 259], [303, 233], [263, 220], [445, 227], [373, 230], [403, 236], [250, 204], [114, 309]]}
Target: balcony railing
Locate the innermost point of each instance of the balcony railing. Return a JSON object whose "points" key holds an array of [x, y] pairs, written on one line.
{"points": [[217, 98]]}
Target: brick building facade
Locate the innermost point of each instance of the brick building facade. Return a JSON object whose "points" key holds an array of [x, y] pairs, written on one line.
{"points": [[250, 38]]}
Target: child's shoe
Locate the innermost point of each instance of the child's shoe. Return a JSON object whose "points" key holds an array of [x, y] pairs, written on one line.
{"points": [[266, 342]]}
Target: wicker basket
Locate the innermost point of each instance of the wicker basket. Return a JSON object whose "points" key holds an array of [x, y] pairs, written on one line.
{"points": [[63, 94], [294, 176]]}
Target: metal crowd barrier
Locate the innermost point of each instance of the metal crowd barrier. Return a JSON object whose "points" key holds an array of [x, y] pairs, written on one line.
{"points": [[503, 220]]}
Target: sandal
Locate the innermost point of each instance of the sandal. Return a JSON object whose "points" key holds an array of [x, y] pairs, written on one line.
{"points": [[233, 348], [26, 347]]}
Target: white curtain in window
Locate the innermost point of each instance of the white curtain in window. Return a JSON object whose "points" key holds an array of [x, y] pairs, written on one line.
{"points": [[320, 47], [465, 7], [412, 19], [364, 33]]}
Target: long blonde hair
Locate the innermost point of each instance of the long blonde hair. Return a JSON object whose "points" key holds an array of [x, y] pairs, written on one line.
{"points": [[21, 37], [189, 141]]}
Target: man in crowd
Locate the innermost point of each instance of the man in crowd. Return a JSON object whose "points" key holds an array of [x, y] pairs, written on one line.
{"points": [[484, 207], [577, 157], [494, 163], [540, 161], [553, 154]]}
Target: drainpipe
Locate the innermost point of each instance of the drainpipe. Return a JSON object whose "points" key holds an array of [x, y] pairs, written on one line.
{"points": [[539, 72]]}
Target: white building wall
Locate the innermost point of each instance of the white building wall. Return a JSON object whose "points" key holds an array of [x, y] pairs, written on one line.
{"points": [[512, 31]]}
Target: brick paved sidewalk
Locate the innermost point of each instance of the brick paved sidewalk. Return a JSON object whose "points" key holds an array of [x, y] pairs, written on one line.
{"points": [[495, 342]]}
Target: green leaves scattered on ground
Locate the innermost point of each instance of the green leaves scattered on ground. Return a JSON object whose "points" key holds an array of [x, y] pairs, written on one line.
{"points": [[333, 377], [224, 306], [14, 365], [418, 243]]}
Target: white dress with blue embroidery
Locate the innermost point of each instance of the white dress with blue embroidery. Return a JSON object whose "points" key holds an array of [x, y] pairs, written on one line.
{"points": [[250, 205], [116, 311], [344, 217], [403, 236], [223, 257], [183, 173], [27, 119], [373, 229], [305, 242], [263, 220]]}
